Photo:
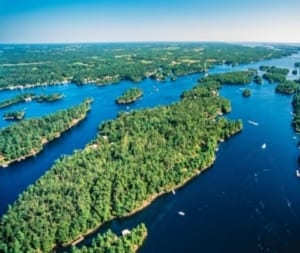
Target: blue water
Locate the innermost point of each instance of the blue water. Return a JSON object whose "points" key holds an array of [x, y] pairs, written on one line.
{"points": [[247, 202], [16, 178]]}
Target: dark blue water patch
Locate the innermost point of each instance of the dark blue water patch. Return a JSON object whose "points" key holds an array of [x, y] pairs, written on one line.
{"points": [[248, 201]]}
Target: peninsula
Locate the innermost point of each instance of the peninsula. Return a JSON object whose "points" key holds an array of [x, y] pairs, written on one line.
{"points": [[28, 97], [28, 137]]}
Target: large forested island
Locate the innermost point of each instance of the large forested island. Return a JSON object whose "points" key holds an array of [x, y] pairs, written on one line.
{"points": [[130, 96], [134, 159], [28, 137], [25, 66]]}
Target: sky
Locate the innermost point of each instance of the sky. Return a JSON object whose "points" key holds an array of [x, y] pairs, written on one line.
{"points": [[56, 21]]}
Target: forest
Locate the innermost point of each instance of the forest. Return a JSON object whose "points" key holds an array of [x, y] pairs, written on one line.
{"points": [[130, 96], [134, 159], [111, 243], [28, 97], [25, 66], [27, 138]]}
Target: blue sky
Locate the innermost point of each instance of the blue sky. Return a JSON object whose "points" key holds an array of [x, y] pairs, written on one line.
{"points": [[34, 21]]}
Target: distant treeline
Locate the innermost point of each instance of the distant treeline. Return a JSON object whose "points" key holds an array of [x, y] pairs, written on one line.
{"points": [[27, 65]]}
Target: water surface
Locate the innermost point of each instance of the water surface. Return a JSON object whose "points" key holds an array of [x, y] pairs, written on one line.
{"points": [[247, 202]]}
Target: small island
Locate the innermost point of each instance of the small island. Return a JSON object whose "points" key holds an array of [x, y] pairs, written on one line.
{"points": [[49, 97], [130, 96], [287, 87], [246, 93], [28, 137], [294, 72], [18, 115]]}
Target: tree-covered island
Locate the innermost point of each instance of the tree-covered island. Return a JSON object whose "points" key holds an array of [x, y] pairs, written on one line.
{"points": [[232, 78], [130, 96], [49, 97], [28, 137], [16, 115], [287, 87], [134, 159], [274, 74], [246, 93], [28, 97]]}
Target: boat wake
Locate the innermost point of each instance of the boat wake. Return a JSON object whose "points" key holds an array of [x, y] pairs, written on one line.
{"points": [[253, 123]]}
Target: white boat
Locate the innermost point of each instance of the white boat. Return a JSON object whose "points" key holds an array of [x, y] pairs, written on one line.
{"points": [[181, 213], [253, 123], [173, 191], [297, 173], [264, 146]]}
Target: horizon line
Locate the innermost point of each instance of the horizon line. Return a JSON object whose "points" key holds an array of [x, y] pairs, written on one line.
{"points": [[150, 41]]}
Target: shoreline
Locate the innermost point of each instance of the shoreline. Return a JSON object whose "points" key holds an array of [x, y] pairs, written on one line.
{"points": [[143, 205], [81, 237], [43, 142], [90, 82], [122, 102]]}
